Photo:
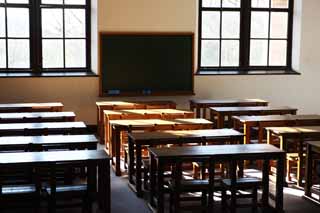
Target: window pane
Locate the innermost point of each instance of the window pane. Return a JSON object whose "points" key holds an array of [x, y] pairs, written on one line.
{"points": [[231, 24], [52, 26], [75, 24], [18, 1], [2, 23], [1, 1], [231, 3], [52, 51], [19, 53], [211, 3], [79, 2], [229, 53], [278, 53], [211, 25], [279, 3], [2, 53], [279, 25], [18, 22], [210, 53], [260, 3], [51, 1], [258, 53], [75, 53], [259, 24]]}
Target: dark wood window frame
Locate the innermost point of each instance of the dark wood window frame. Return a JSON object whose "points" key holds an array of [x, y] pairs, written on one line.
{"points": [[245, 37], [36, 42]]}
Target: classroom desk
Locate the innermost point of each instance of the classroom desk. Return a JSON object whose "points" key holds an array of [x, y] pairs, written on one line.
{"points": [[118, 105], [297, 135], [141, 139], [72, 142], [28, 129], [313, 148], [31, 107], [30, 117], [120, 126], [220, 113], [199, 105], [92, 158], [159, 157], [131, 114], [261, 122]]}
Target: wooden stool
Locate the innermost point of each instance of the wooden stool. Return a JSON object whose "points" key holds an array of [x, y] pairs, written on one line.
{"points": [[241, 184]]}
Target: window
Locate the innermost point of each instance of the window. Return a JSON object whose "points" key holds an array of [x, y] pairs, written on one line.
{"points": [[245, 35], [44, 35]]}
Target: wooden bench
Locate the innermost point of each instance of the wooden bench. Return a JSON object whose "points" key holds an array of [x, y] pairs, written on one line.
{"points": [[29, 129], [120, 126], [118, 105], [92, 159], [202, 104], [25, 143], [175, 156], [164, 114], [33, 117], [219, 114], [31, 107], [138, 140]]}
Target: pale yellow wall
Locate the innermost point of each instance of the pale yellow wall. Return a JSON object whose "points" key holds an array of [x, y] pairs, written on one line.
{"points": [[80, 94]]}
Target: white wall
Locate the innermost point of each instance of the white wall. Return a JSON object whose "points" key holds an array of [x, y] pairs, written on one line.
{"points": [[80, 94]]}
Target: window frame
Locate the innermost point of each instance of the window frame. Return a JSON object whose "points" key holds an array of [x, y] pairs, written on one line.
{"points": [[35, 38], [244, 47]]}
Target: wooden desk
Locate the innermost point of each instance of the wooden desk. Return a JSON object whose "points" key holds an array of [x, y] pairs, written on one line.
{"points": [[30, 117], [313, 148], [15, 143], [298, 135], [128, 114], [118, 105], [119, 126], [25, 129], [152, 139], [94, 158], [248, 122], [159, 157], [31, 107], [227, 112], [199, 105]]}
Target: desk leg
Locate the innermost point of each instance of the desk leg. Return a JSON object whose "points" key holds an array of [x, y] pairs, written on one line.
{"points": [[160, 205], [280, 183], [308, 184], [260, 134], [233, 177], [300, 162], [247, 135], [177, 181], [220, 120], [131, 160], [138, 170], [204, 112], [104, 186], [198, 112], [152, 179], [265, 182], [116, 138], [211, 184]]}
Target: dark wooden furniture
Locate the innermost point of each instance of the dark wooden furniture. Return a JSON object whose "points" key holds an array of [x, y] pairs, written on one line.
{"points": [[118, 105], [93, 159], [313, 148], [31, 107], [30, 117], [28, 129], [159, 157], [27, 143], [261, 122], [199, 105], [221, 113], [120, 126], [141, 114], [139, 140]]}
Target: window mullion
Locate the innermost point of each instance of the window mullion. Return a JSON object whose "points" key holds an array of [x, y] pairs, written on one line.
{"points": [[35, 36], [290, 32], [245, 23]]}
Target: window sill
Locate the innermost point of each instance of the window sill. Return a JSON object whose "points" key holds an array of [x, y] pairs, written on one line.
{"points": [[249, 72], [46, 74]]}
